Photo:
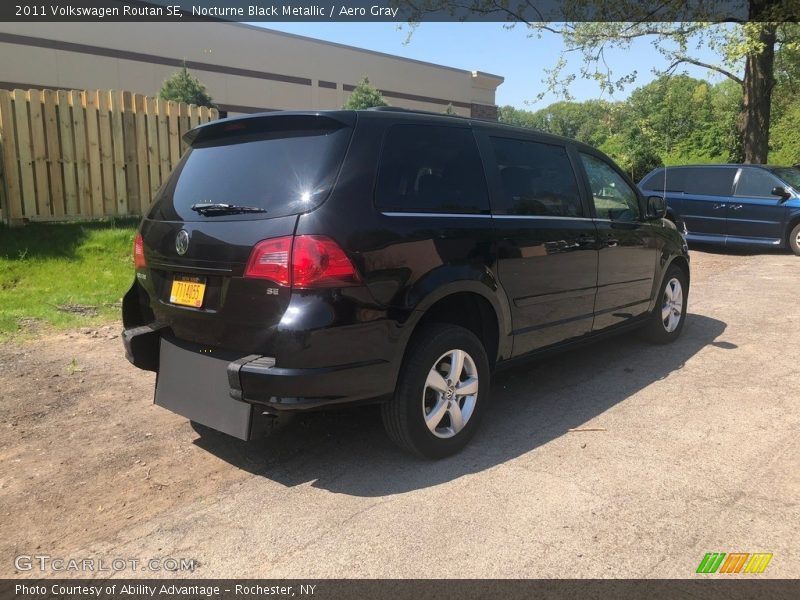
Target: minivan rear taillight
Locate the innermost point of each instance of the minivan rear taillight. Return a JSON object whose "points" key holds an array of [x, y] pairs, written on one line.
{"points": [[270, 260], [138, 252], [303, 261]]}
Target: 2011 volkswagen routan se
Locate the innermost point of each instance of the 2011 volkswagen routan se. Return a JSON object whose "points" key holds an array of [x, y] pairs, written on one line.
{"points": [[297, 261]]}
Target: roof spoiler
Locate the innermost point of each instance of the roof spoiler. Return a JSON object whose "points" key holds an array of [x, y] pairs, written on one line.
{"points": [[267, 122]]}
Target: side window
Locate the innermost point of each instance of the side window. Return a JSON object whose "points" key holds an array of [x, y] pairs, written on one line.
{"points": [[537, 179], [613, 198], [756, 182], [431, 169], [654, 181], [673, 181], [710, 181]]}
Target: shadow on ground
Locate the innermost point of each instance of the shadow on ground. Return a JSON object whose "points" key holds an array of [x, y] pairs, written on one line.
{"points": [[347, 451]]}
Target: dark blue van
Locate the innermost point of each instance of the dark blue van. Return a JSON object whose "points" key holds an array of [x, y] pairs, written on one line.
{"points": [[756, 205]]}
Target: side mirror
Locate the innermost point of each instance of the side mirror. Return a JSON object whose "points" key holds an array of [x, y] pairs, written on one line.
{"points": [[782, 192], [656, 207]]}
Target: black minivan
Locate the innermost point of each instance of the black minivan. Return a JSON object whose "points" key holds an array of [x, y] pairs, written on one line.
{"points": [[303, 260]]}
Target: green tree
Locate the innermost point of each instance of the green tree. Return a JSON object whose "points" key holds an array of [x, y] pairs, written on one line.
{"points": [[516, 117], [184, 87], [745, 51], [590, 122], [683, 119], [784, 140], [364, 96], [638, 161]]}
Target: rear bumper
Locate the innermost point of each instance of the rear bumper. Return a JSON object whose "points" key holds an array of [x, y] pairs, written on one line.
{"points": [[256, 380], [142, 346]]}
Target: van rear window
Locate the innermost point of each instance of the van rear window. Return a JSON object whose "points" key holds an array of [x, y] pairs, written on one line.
{"points": [[701, 181], [283, 172], [706, 181], [675, 180]]}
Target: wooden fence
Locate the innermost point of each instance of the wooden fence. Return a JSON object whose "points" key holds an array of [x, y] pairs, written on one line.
{"points": [[70, 154]]}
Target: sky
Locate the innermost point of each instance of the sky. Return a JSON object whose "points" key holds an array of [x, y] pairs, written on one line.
{"points": [[491, 48]]}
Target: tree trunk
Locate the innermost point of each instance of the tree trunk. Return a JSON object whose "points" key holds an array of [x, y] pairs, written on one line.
{"points": [[757, 95]]}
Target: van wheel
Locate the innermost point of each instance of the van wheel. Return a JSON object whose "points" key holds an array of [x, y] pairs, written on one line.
{"points": [[794, 239], [669, 315], [441, 393]]}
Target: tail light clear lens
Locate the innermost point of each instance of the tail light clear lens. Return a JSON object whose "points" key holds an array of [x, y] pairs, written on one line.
{"points": [[303, 261], [270, 259], [138, 252]]}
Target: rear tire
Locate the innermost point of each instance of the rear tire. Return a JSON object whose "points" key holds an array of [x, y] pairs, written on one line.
{"points": [[441, 393], [794, 239], [669, 315]]}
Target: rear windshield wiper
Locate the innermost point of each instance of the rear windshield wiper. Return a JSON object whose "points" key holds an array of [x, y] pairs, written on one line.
{"points": [[210, 209]]}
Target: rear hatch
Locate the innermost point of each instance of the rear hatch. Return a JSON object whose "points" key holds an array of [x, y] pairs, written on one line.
{"points": [[242, 181]]}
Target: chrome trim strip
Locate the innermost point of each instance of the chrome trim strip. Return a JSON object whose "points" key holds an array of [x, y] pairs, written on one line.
{"points": [[521, 217], [425, 214], [542, 217]]}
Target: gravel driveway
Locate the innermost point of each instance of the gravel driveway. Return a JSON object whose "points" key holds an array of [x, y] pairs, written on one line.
{"points": [[685, 449]]}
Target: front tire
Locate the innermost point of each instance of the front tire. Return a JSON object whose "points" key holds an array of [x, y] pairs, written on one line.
{"points": [[441, 394], [794, 239], [669, 315]]}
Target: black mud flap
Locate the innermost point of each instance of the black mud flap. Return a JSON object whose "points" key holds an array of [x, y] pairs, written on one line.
{"points": [[195, 385]]}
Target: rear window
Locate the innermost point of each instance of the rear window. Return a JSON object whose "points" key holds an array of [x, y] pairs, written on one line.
{"points": [[427, 168], [675, 180], [700, 181], [710, 182], [283, 171]]}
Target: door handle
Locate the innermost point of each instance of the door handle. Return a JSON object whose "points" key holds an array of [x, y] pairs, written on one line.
{"points": [[586, 240], [718, 206], [737, 206]]}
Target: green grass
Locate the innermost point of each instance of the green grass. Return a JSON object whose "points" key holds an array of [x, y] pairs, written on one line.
{"points": [[63, 275]]}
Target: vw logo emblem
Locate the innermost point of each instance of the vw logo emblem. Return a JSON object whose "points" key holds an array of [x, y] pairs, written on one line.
{"points": [[182, 242]]}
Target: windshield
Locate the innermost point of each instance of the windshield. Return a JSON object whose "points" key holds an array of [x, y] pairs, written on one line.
{"points": [[280, 172], [790, 175]]}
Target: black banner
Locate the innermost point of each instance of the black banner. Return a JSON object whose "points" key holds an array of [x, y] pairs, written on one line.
{"points": [[738, 588], [533, 11]]}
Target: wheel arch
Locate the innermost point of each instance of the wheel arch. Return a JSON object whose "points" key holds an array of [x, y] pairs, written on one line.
{"points": [[469, 305], [682, 263], [793, 221]]}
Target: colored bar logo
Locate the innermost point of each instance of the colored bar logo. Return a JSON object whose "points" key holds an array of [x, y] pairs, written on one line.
{"points": [[735, 562]]}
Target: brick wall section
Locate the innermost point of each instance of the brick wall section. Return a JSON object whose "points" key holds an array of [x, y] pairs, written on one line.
{"points": [[484, 111]]}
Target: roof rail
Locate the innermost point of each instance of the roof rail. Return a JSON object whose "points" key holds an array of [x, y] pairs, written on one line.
{"points": [[412, 111]]}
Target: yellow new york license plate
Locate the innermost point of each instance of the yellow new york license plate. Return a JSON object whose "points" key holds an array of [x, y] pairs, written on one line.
{"points": [[188, 291]]}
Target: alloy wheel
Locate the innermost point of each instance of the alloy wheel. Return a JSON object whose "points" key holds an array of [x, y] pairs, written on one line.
{"points": [[672, 305], [450, 393]]}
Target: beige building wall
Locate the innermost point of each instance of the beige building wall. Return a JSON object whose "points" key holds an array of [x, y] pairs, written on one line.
{"points": [[245, 68]]}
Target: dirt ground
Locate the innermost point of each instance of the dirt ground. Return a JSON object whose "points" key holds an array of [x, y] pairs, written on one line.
{"points": [[695, 450]]}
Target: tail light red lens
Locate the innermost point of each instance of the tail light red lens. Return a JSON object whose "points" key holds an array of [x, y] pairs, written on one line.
{"points": [[318, 261], [138, 252], [303, 261]]}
